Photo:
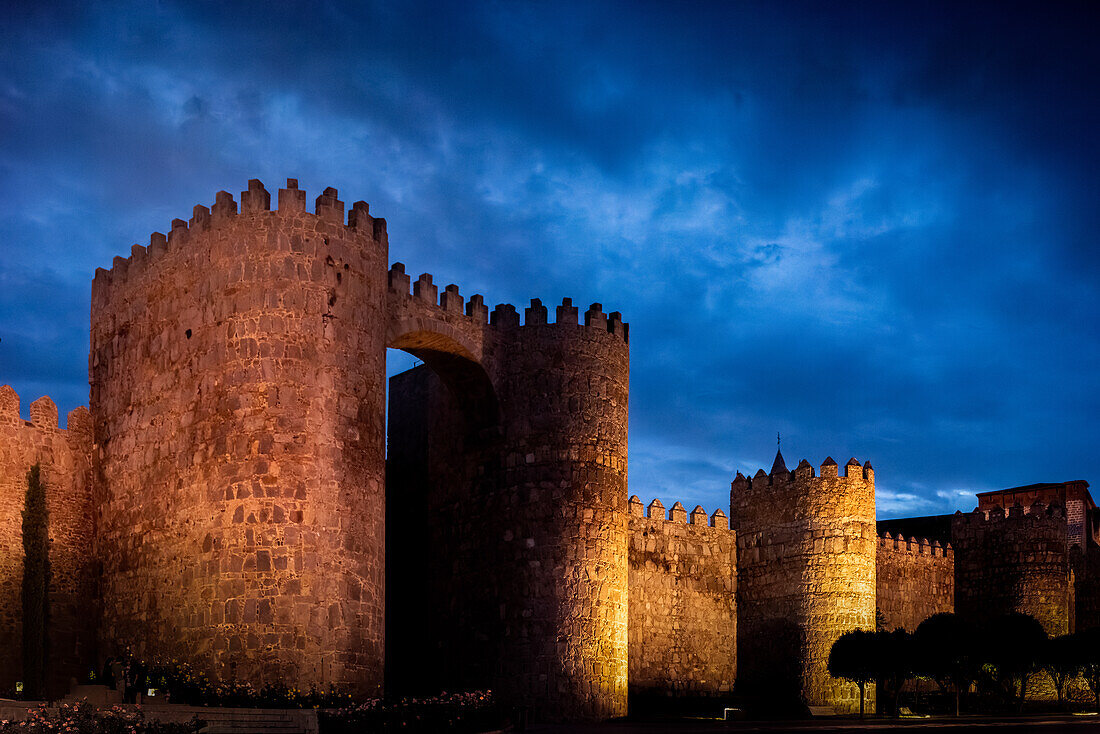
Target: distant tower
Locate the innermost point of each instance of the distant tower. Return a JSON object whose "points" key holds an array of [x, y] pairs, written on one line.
{"points": [[806, 574]]}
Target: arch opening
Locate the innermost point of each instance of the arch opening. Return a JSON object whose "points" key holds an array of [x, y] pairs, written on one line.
{"points": [[443, 433]]}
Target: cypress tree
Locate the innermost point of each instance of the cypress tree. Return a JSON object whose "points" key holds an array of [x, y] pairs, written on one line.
{"points": [[36, 585]]}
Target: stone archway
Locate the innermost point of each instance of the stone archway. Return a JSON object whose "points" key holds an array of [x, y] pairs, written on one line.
{"points": [[444, 421], [456, 361]]}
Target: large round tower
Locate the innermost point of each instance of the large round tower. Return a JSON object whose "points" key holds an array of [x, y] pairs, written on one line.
{"points": [[564, 391], [805, 575], [237, 385], [514, 451]]}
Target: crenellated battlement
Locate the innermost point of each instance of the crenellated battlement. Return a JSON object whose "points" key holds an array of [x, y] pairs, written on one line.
{"points": [[255, 201], [915, 546], [43, 412], [854, 472], [504, 315], [1035, 512], [678, 514]]}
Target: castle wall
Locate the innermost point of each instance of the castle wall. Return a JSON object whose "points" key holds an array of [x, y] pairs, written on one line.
{"points": [[527, 469], [805, 575], [237, 373], [1017, 562], [914, 579], [65, 456], [562, 497], [683, 612]]}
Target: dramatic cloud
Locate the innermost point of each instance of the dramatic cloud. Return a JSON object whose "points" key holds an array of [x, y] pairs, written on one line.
{"points": [[869, 228]]}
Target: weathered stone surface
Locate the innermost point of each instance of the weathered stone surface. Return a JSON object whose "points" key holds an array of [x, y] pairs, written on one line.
{"points": [[1014, 562], [805, 575], [683, 612], [66, 459], [915, 579], [518, 466], [237, 384], [236, 498]]}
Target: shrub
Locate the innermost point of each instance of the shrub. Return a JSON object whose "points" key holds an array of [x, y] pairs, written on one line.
{"points": [[453, 712], [83, 718]]}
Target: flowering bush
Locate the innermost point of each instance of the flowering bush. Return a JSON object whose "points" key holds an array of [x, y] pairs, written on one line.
{"points": [[183, 684], [83, 718], [454, 712]]}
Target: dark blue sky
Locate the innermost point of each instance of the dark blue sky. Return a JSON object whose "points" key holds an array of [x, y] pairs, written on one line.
{"points": [[870, 228]]}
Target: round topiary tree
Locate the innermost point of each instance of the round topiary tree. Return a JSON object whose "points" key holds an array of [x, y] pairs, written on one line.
{"points": [[854, 657], [945, 649]]}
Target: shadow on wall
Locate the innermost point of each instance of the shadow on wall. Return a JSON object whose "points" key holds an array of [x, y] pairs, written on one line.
{"points": [[773, 688]]}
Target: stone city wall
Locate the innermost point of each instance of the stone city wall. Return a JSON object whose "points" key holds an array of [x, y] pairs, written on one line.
{"points": [[1017, 562], [683, 612], [238, 388], [805, 575], [519, 432], [65, 456], [915, 579]]}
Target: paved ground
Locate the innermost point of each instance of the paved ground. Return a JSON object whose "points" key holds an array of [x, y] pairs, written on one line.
{"points": [[1015, 725]]}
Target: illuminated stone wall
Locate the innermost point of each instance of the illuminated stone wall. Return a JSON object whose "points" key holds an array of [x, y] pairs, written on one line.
{"points": [[526, 502], [1014, 562], [915, 579], [237, 372], [805, 575], [683, 612], [65, 456]]}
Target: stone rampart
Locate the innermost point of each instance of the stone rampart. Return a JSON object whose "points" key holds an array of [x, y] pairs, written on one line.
{"points": [[515, 446], [238, 383], [1014, 562], [683, 612], [65, 456], [915, 579], [805, 575]]}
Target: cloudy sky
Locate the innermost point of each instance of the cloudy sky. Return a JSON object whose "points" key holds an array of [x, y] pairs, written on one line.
{"points": [[871, 229]]}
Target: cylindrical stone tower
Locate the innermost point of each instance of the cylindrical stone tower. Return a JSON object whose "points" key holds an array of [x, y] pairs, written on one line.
{"points": [[563, 389], [806, 575], [237, 385]]}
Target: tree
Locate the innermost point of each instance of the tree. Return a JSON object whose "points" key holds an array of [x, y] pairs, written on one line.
{"points": [[1015, 645], [1062, 661], [894, 665], [1088, 647], [945, 650], [853, 657], [36, 585]]}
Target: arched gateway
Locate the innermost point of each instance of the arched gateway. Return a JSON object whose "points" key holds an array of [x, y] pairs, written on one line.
{"points": [[238, 392]]}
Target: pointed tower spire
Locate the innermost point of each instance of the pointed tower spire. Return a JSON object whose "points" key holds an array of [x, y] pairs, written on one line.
{"points": [[778, 466]]}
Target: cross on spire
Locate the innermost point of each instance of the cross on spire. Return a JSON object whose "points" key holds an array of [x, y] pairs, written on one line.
{"points": [[778, 467]]}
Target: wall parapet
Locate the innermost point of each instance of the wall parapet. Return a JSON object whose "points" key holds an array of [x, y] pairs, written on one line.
{"points": [[915, 546], [504, 315], [43, 411], [677, 514], [853, 472], [255, 200], [997, 515]]}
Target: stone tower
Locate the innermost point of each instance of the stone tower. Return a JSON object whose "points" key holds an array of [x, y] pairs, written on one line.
{"points": [[238, 387], [525, 505], [806, 574], [1017, 561], [238, 393]]}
